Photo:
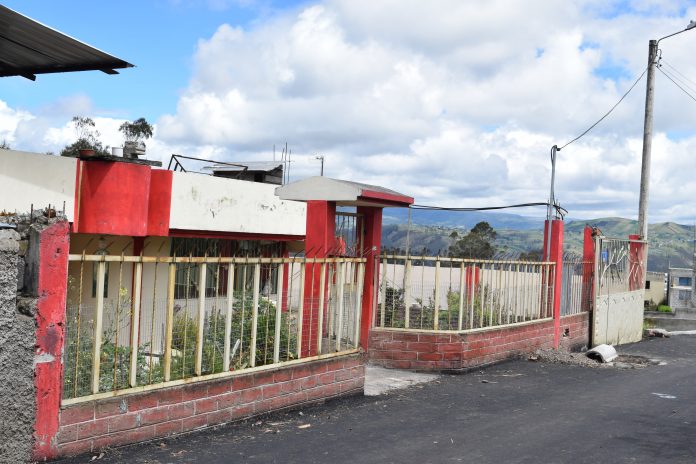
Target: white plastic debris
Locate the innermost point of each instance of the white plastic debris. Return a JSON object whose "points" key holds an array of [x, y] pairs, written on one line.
{"points": [[602, 353]]}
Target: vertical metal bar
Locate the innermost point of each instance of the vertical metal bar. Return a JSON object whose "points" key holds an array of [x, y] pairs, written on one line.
{"points": [[407, 293], [322, 285], [118, 323], [228, 317], [254, 314], [77, 332], [462, 287], [383, 309], [198, 367], [169, 322], [278, 315], [339, 331], [300, 309], [98, 318], [135, 324], [358, 303], [436, 309], [482, 292]]}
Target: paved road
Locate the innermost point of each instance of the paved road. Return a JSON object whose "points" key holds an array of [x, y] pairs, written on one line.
{"points": [[517, 412]]}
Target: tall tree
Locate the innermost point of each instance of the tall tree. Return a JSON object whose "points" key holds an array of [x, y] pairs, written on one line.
{"points": [[478, 243]]}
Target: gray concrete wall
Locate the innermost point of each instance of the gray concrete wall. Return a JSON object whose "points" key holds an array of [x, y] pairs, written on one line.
{"points": [[17, 332]]}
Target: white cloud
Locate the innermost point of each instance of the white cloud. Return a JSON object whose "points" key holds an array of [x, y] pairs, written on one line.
{"points": [[456, 103]]}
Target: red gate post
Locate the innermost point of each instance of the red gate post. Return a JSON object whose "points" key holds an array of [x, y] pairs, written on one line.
{"points": [[320, 239], [588, 258], [372, 242], [555, 254], [636, 263]]}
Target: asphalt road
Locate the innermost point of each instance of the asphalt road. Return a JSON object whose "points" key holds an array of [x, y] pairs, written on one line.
{"points": [[516, 412]]}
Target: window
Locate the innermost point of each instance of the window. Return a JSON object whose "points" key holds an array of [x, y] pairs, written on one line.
{"points": [[684, 282], [647, 285], [684, 295]]}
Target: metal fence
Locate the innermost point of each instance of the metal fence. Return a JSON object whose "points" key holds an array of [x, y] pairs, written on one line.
{"points": [[138, 322], [576, 287], [620, 265], [451, 294]]}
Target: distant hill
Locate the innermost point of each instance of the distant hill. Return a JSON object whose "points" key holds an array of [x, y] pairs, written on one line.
{"points": [[671, 243]]}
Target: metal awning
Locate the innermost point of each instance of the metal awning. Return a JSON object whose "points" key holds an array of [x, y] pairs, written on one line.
{"points": [[343, 192], [28, 47]]}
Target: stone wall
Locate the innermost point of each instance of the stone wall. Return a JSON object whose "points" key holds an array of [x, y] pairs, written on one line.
{"points": [[17, 393]]}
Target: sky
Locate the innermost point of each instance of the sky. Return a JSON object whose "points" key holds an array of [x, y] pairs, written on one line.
{"points": [[456, 103]]}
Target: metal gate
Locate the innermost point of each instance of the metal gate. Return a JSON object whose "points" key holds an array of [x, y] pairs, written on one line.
{"points": [[576, 285], [619, 290]]}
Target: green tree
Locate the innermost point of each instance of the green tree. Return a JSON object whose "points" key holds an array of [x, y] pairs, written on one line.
{"points": [[87, 138], [478, 243]]}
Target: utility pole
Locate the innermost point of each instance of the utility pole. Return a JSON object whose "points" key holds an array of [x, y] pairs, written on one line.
{"points": [[321, 158], [647, 132], [647, 143]]}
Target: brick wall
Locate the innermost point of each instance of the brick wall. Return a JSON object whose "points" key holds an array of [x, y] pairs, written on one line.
{"points": [[453, 351], [575, 331], [138, 417]]}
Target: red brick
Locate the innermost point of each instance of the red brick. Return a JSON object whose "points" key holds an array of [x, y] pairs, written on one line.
{"points": [[205, 405], [154, 416], [344, 374], [319, 367], [111, 407], [263, 378], [400, 364], [293, 385], [168, 428], [195, 422], [67, 434], [282, 375], [179, 411], [242, 382], [325, 379], [219, 417], [92, 429], [228, 400], [449, 347], [354, 361], [308, 382], [124, 422], [250, 395], [75, 414], [395, 345], [429, 356], [422, 347], [270, 391], [405, 355], [195, 391], [219, 388], [170, 396], [142, 433], [243, 410], [114, 439], [75, 448], [142, 401], [427, 338]]}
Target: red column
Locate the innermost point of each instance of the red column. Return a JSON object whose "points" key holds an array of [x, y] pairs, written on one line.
{"points": [[320, 239], [54, 247], [588, 258], [555, 254], [636, 260], [371, 245]]}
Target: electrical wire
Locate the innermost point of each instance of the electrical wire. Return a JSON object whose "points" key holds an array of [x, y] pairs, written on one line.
{"points": [[675, 83], [561, 211], [678, 72], [608, 112]]}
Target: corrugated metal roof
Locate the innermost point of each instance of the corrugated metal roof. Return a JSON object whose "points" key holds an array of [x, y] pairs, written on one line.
{"points": [[265, 166], [28, 47]]}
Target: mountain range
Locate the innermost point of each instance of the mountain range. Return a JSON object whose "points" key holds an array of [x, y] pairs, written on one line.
{"points": [[671, 244]]}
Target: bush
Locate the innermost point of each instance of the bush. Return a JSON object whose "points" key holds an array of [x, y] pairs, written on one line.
{"points": [[665, 309]]}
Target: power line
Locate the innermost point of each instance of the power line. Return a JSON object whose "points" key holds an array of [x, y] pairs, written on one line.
{"points": [[675, 83], [678, 72], [562, 211], [608, 112]]}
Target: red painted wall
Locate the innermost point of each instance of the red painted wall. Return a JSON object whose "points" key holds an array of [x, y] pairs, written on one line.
{"points": [[555, 254], [159, 202], [54, 247], [114, 198]]}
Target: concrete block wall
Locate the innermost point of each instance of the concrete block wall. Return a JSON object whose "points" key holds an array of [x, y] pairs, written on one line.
{"points": [[429, 351], [160, 413]]}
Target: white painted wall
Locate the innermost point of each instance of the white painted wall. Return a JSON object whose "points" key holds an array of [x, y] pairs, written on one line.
{"points": [[201, 202], [618, 318], [38, 179]]}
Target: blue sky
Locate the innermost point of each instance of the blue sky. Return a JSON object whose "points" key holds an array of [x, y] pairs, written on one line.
{"points": [[158, 36], [454, 102]]}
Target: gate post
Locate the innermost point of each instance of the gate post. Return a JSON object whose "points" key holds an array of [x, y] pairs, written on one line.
{"points": [[372, 242], [637, 263], [555, 254]]}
